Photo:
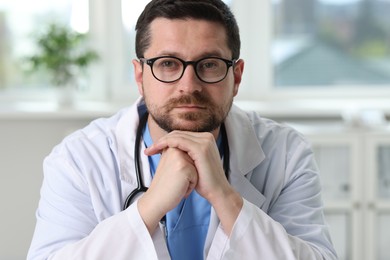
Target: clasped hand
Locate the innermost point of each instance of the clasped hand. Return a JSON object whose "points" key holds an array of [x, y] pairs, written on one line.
{"points": [[189, 160]]}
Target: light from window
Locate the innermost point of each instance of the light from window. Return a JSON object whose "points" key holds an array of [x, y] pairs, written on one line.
{"points": [[130, 12], [331, 43], [79, 20]]}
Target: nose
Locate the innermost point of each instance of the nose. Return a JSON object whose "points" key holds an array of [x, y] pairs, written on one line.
{"points": [[189, 82]]}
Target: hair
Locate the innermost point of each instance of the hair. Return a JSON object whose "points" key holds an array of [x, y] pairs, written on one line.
{"points": [[209, 10]]}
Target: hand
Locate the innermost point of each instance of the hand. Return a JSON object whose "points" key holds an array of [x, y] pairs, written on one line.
{"points": [[212, 183], [175, 178], [203, 151]]}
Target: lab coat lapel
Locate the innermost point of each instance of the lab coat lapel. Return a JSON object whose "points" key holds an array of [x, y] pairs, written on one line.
{"points": [[125, 133], [245, 154], [247, 190]]}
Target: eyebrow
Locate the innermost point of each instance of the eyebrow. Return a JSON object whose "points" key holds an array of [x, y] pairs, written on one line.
{"points": [[203, 55]]}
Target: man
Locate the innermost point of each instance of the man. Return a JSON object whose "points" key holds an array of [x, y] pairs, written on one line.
{"points": [[223, 183]]}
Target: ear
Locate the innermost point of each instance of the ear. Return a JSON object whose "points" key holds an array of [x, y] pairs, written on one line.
{"points": [[138, 73], [238, 71]]}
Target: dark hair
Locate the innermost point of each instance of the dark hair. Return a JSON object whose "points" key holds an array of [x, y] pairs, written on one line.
{"points": [[210, 10]]}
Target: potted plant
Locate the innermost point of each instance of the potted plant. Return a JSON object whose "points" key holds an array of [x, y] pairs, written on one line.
{"points": [[63, 53]]}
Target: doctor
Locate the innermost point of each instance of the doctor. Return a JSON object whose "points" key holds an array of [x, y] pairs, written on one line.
{"points": [[222, 183]]}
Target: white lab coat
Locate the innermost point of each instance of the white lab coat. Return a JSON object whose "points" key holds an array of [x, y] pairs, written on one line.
{"points": [[88, 176]]}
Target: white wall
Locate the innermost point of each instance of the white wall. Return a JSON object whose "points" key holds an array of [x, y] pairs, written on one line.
{"points": [[24, 141]]}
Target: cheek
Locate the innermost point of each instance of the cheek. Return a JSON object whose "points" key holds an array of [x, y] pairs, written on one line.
{"points": [[221, 100], [229, 89], [148, 86], [154, 93]]}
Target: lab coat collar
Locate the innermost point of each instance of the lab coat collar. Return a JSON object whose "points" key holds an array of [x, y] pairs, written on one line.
{"points": [[125, 134]]}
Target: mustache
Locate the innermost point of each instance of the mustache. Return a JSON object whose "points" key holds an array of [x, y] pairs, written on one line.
{"points": [[194, 99]]}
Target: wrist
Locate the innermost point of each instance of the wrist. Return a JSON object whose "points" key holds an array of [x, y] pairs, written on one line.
{"points": [[149, 213], [227, 205]]}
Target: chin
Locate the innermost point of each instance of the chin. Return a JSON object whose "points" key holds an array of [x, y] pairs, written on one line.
{"points": [[193, 126], [192, 122]]}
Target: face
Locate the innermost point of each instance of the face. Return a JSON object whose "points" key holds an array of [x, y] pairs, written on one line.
{"points": [[187, 104]]}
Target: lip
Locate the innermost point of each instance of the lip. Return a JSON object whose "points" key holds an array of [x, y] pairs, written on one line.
{"points": [[190, 107]]}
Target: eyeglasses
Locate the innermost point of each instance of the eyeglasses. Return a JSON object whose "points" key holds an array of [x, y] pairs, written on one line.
{"points": [[168, 69]]}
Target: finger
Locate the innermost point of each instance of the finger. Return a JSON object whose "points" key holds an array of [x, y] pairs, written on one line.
{"points": [[161, 144], [182, 140]]}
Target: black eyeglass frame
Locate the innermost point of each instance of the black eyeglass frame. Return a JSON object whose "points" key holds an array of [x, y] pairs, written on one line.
{"points": [[150, 62]]}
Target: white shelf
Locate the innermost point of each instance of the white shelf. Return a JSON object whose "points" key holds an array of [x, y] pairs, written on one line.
{"points": [[51, 110], [350, 155]]}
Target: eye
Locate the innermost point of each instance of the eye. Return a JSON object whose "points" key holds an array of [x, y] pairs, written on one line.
{"points": [[210, 65], [168, 64]]}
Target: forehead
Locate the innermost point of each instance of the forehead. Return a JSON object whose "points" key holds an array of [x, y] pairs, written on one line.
{"points": [[187, 38]]}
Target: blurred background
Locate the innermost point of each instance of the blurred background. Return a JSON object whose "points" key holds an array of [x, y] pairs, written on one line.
{"points": [[322, 66]]}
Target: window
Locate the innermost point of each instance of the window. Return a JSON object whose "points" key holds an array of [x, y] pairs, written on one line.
{"points": [[330, 43], [19, 20], [299, 48]]}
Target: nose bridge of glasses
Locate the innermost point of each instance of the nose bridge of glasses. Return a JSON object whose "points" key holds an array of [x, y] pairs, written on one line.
{"points": [[186, 63], [194, 67]]}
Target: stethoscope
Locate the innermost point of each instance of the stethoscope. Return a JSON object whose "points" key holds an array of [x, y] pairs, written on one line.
{"points": [[140, 184]]}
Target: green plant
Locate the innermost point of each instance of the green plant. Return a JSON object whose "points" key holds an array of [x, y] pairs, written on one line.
{"points": [[63, 53]]}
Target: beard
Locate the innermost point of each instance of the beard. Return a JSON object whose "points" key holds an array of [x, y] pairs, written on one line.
{"points": [[204, 120]]}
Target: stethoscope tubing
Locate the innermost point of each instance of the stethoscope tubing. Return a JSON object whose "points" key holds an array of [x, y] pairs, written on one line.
{"points": [[140, 184]]}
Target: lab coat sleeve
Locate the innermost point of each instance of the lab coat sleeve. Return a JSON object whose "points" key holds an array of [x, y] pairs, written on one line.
{"points": [[293, 227], [257, 236], [68, 226], [119, 237], [122, 236]]}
